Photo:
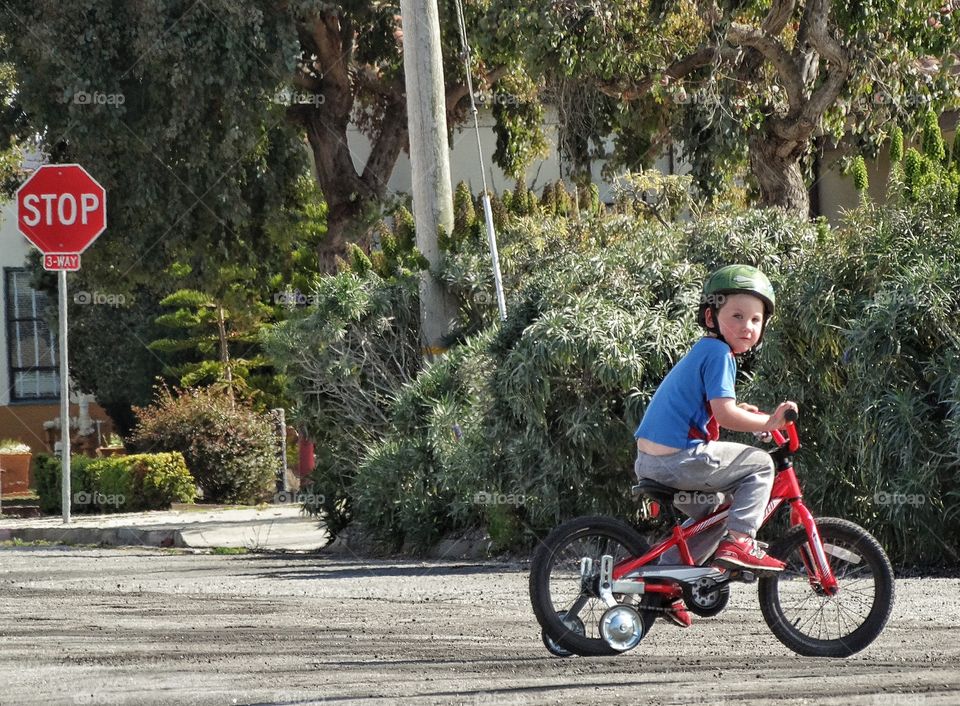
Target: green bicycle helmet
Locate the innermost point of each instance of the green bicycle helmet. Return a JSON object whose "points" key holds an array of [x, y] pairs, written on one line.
{"points": [[735, 279]]}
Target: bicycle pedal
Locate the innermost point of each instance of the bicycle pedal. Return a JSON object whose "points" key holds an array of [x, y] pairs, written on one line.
{"points": [[743, 576]]}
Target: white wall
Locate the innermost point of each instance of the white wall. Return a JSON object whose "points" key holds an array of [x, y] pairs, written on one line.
{"points": [[465, 163], [13, 253], [836, 190]]}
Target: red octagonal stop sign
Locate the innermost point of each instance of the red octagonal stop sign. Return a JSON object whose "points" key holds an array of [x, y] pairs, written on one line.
{"points": [[61, 209]]}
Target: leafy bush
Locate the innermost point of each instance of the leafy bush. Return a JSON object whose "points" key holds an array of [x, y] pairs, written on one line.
{"points": [[48, 476], [229, 449], [120, 483], [113, 485], [872, 353], [545, 404], [344, 360], [528, 422], [160, 479]]}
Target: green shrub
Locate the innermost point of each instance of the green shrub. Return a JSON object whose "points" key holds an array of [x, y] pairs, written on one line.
{"points": [[161, 479], [48, 475], [344, 361], [538, 411], [115, 484], [229, 448], [872, 353], [114, 491]]}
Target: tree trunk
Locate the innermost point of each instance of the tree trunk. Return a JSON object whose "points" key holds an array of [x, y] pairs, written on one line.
{"points": [[776, 165], [343, 189], [225, 352]]}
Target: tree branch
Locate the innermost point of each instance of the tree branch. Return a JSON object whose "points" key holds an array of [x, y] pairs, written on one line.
{"points": [[837, 74], [777, 18], [387, 147], [780, 13], [774, 52], [332, 43], [678, 69], [459, 92]]}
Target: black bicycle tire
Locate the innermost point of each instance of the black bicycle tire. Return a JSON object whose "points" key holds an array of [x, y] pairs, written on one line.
{"points": [[542, 562], [872, 625]]}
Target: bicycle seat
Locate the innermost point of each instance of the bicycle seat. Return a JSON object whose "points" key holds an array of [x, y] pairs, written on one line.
{"points": [[663, 494]]}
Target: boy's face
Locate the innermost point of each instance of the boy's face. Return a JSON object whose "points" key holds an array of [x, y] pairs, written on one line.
{"points": [[740, 320]]}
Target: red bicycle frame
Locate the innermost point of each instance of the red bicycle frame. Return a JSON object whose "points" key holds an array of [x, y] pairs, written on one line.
{"points": [[786, 488]]}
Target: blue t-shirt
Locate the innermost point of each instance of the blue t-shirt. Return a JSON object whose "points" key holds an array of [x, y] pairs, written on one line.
{"points": [[679, 413]]}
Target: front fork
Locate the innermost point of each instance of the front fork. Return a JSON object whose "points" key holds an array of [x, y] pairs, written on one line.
{"points": [[814, 557]]}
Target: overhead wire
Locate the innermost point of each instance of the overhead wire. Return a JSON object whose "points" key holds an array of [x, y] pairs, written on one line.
{"points": [[487, 209]]}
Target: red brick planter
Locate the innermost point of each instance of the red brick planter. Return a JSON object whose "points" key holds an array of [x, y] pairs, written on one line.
{"points": [[15, 473]]}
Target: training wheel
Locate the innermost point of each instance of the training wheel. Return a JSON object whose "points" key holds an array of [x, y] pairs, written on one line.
{"points": [[574, 624], [621, 627]]}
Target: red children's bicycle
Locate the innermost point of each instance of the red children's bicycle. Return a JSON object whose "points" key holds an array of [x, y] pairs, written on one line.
{"points": [[596, 586]]}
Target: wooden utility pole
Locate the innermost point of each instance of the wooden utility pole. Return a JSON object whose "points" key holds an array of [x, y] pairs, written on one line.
{"points": [[429, 159]]}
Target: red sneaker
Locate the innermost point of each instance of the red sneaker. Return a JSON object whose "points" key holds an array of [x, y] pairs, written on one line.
{"points": [[745, 554], [678, 614]]}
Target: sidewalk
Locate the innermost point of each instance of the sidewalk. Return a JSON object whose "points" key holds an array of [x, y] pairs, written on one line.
{"points": [[275, 527]]}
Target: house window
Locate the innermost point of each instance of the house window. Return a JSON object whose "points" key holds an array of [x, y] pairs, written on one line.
{"points": [[31, 345]]}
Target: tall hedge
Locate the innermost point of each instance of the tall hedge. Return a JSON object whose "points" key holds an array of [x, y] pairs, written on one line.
{"points": [[115, 484], [526, 423]]}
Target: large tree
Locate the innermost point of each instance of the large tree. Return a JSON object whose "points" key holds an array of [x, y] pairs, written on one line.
{"points": [[172, 104], [201, 119], [740, 80]]}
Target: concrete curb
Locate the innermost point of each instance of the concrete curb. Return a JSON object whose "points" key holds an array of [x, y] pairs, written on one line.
{"points": [[110, 536], [275, 528]]}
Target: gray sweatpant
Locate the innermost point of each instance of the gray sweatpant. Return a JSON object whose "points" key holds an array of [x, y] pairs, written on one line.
{"points": [[708, 473]]}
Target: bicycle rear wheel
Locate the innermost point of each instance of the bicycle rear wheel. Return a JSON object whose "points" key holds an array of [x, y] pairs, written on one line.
{"points": [[804, 617], [559, 591]]}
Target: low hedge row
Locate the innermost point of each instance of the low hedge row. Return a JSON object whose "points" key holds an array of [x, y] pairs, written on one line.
{"points": [[115, 484]]}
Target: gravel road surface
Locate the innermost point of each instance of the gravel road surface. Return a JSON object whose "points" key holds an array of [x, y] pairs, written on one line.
{"points": [[138, 626]]}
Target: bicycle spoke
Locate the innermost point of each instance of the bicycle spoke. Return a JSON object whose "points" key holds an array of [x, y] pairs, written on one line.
{"points": [[828, 617]]}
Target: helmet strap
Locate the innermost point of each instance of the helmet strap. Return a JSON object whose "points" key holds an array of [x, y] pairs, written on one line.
{"points": [[714, 329]]}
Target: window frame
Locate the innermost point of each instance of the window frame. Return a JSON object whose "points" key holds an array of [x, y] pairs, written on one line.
{"points": [[11, 321]]}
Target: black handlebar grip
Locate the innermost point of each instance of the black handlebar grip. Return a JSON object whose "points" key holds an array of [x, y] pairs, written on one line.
{"points": [[791, 415]]}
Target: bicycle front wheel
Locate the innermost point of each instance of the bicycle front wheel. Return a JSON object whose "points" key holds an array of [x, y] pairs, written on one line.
{"points": [[804, 617]]}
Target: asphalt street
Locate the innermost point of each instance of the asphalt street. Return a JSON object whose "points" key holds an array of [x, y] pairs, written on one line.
{"points": [[168, 626]]}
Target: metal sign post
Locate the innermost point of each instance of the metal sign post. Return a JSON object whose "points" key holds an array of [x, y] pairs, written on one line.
{"points": [[64, 400]]}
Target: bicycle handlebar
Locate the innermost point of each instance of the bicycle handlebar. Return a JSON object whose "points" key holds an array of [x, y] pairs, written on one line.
{"points": [[792, 437]]}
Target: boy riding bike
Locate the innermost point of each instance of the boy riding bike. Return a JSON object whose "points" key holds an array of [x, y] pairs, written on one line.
{"points": [[677, 442]]}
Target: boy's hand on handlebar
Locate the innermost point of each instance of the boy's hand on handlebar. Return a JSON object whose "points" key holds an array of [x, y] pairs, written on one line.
{"points": [[778, 419]]}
